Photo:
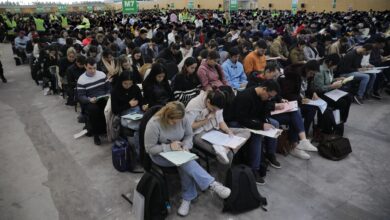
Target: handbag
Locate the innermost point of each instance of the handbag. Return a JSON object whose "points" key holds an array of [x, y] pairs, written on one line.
{"points": [[334, 147]]}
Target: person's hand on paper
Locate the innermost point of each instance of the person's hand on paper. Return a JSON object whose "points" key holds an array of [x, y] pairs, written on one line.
{"points": [[279, 106], [92, 100], [133, 102], [336, 84], [305, 100], [230, 133], [284, 100], [176, 146], [315, 96], [267, 127]]}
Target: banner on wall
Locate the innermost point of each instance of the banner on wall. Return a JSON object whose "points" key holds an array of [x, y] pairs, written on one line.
{"points": [[129, 6], [89, 8], [233, 5], [40, 9], [334, 4], [190, 4], [294, 6], [62, 8]]}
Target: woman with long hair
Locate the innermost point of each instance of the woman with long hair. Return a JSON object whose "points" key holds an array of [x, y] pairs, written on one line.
{"points": [[186, 84], [170, 130], [156, 86]]}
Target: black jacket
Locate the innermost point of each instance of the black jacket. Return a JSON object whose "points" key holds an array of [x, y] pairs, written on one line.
{"points": [[72, 75], [351, 62], [121, 97], [249, 110], [64, 64], [157, 94], [290, 84]]}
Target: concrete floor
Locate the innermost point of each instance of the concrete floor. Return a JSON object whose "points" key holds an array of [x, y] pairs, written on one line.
{"points": [[46, 174]]}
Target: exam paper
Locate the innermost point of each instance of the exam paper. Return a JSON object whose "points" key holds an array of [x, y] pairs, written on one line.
{"points": [[336, 94]]}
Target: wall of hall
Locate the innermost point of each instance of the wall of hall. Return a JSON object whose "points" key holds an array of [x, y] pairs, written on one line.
{"points": [[321, 5], [179, 4], [310, 5]]}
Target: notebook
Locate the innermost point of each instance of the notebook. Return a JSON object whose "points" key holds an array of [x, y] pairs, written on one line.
{"points": [[133, 116], [179, 157]]}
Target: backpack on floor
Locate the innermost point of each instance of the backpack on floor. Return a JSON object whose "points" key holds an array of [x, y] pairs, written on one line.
{"points": [[124, 156], [334, 147], [244, 196], [154, 189]]}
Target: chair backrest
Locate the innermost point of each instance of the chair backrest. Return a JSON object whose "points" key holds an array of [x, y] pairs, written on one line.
{"points": [[145, 159]]}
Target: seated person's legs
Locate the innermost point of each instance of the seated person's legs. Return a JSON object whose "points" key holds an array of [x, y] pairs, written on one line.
{"points": [[224, 155], [270, 146], [96, 119], [308, 113], [192, 174]]}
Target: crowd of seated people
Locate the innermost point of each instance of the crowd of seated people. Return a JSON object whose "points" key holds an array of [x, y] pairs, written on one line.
{"points": [[209, 72]]}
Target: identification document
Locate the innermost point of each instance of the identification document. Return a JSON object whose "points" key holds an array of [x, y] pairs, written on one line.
{"points": [[288, 107], [179, 157], [219, 138]]}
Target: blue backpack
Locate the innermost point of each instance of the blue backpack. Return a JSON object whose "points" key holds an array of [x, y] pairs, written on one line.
{"points": [[124, 156]]}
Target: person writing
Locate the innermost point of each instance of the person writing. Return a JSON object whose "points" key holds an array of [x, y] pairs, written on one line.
{"points": [[170, 130]]}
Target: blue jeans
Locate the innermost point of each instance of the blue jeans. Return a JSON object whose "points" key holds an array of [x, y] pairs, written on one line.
{"points": [[295, 123], [363, 78], [255, 146], [371, 83], [308, 113], [191, 174]]}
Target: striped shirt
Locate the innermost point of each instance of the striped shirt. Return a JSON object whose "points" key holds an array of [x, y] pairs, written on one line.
{"points": [[92, 86]]}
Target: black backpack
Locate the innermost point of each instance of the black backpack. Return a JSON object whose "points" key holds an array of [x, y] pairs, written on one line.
{"points": [[155, 191], [124, 156], [334, 147], [244, 196]]}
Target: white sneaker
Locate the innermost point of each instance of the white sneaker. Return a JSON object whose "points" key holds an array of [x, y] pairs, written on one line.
{"points": [[300, 154], [46, 91], [221, 154], [184, 208], [306, 145], [222, 191]]}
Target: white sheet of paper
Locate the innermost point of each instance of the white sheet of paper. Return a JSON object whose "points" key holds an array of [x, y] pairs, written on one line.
{"points": [[80, 134], [272, 133], [179, 157], [320, 103], [273, 58], [219, 138], [382, 67], [336, 94], [348, 79], [138, 205], [336, 115], [288, 107]]}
